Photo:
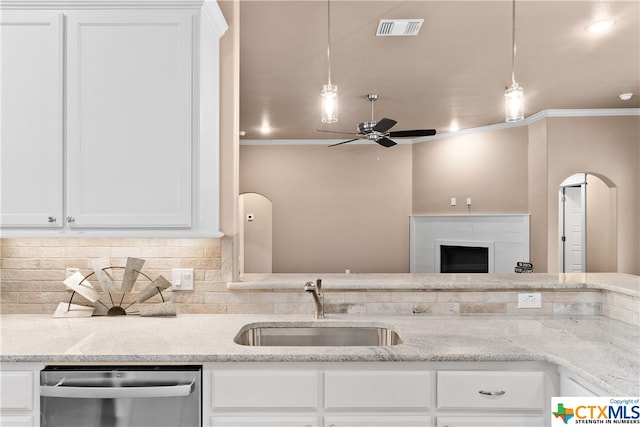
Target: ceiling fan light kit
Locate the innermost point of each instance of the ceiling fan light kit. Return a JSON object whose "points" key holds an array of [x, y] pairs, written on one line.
{"points": [[378, 132]]}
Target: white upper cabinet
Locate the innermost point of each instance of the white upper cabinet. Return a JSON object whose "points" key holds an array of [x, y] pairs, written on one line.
{"points": [[123, 138], [32, 119], [129, 119]]}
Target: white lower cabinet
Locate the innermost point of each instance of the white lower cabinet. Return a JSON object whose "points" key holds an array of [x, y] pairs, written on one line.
{"points": [[19, 399], [378, 421], [387, 389], [490, 421], [491, 390], [264, 421], [573, 386], [258, 389], [379, 394]]}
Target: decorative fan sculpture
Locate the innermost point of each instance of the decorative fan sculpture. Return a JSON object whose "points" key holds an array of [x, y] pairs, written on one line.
{"points": [[80, 284]]}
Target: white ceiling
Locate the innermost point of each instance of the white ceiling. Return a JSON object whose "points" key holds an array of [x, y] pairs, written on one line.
{"points": [[455, 69]]}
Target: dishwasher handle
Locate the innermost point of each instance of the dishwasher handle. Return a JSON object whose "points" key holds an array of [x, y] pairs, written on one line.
{"points": [[60, 390]]}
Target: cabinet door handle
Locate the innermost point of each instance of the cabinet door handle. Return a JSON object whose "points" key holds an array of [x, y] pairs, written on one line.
{"points": [[51, 219], [492, 393], [71, 219]]}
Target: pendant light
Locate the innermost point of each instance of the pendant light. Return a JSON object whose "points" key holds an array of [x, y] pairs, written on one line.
{"points": [[514, 93], [329, 93]]}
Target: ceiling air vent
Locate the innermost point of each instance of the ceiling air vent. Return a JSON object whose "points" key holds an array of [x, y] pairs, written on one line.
{"points": [[399, 27]]}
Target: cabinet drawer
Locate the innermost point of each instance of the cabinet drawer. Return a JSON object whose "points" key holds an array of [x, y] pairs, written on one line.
{"points": [[265, 389], [378, 421], [264, 421], [20, 385], [477, 421], [491, 389], [17, 421], [369, 389]]}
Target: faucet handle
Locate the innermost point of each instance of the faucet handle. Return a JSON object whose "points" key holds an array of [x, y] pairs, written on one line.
{"points": [[319, 285]]}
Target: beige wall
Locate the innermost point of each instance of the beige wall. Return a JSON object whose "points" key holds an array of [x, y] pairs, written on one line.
{"points": [[606, 147], [334, 208], [602, 235], [348, 208], [538, 209], [229, 138], [256, 248], [489, 167]]}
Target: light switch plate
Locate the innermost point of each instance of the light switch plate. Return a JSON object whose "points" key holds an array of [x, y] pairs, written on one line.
{"points": [[182, 279]]}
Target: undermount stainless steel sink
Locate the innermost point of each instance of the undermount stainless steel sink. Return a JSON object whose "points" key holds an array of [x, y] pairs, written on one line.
{"points": [[316, 335]]}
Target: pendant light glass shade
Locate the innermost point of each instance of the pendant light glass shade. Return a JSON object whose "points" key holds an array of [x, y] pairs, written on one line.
{"points": [[514, 93], [329, 94], [514, 102], [329, 103]]}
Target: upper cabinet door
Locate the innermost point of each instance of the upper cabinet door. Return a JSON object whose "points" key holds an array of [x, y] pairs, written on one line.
{"points": [[32, 118], [129, 119]]}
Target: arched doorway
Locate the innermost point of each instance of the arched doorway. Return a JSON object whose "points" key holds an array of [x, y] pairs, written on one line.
{"points": [[588, 224], [256, 233]]}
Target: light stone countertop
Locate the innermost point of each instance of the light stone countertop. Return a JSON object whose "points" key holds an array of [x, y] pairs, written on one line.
{"points": [[627, 284], [603, 351]]}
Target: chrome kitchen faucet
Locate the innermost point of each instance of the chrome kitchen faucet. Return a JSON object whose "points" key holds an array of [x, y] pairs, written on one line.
{"points": [[316, 290]]}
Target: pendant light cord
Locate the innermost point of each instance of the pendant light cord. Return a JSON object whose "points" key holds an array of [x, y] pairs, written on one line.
{"points": [[329, 41], [513, 42]]}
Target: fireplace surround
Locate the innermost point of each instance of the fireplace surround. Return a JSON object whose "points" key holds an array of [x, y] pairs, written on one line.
{"points": [[505, 237]]}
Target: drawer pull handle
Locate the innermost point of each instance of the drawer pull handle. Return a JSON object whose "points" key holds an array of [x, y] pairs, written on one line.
{"points": [[492, 393]]}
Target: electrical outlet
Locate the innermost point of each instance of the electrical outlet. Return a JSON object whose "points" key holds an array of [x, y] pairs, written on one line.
{"points": [[182, 279], [531, 300]]}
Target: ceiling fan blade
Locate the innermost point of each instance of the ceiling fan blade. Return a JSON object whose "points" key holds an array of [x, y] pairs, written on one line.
{"points": [[333, 131], [412, 133], [384, 125], [343, 142], [386, 142]]}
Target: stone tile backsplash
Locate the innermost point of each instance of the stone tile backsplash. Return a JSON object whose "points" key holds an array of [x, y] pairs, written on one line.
{"points": [[32, 271]]}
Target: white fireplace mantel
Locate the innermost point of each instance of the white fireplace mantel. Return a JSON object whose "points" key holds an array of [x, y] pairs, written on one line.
{"points": [[508, 235]]}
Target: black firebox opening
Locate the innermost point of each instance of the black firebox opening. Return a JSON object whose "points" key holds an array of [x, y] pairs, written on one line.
{"points": [[464, 259]]}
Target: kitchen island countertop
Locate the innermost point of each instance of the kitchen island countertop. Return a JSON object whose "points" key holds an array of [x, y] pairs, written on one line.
{"points": [[603, 351]]}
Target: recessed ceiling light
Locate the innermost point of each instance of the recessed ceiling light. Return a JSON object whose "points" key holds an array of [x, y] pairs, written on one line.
{"points": [[600, 26], [265, 128], [625, 96]]}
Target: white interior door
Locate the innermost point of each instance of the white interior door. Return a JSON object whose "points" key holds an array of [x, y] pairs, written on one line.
{"points": [[573, 228]]}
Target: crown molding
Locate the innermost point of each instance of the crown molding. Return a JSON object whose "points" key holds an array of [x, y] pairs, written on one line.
{"points": [[213, 18], [595, 112], [100, 4]]}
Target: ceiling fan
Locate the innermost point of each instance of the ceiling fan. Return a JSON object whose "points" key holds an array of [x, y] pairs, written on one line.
{"points": [[379, 131]]}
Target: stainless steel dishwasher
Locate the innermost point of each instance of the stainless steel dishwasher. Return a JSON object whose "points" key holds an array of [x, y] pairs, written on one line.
{"points": [[121, 396]]}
